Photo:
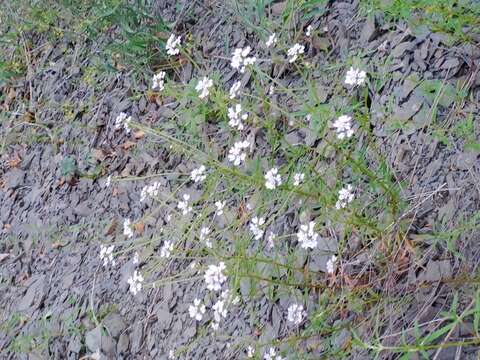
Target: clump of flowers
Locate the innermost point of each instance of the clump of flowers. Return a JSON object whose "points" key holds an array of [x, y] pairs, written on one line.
{"points": [[166, 249], [198, 175], [127, 228], [271, 240], [158, 81], [236, 117], [214, 276], [123, 120], [296, 314], [219, 205], [271, 41], [298, 179], [331, 264], [136, 258], [308, 32], [196, 310], [108, 181], [255, 227], [149, 190], [135, 282], [237, 154], [307, 237], [183, 205], [173, 44], [240, 59], [355, 77], [272, 179], [234, 90], [343, 126], [219, 311], [171, 355], [106, 255], [204, 232], [294, 52], [203, 87], [271, 354], [250, 352], [345, 196]]}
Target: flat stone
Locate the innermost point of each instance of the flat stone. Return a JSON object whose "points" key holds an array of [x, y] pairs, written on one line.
{"points": [[115, 324], [401, 48], [93, 339]]}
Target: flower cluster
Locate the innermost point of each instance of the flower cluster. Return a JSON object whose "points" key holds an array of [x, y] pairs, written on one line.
{"points": [[123, 120], [298, 179], [343, 126], [203, 87], [127, 228], [184, 206], [196, 310], [173, 45], [331, 264], [355, 77], [294, 52], [236, 154], [236, 117], [149, 190], [271, 240], [158, 81], [219, 311], [296, 314], [166, 249], [271, 354], [345, 196], [308, 32], [271, 41], [307, 237], [240, 59], [106, 254], [198, 175], [272, 179], [204, 232], [250, 352], [235, 89], [255, 227], [219, 205], [214, 277], [135, 282]]}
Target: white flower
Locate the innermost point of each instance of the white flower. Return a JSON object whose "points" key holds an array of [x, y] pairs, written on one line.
{"points": [[203, 87], [331, 264], [197, 310], [123, 120], [255, 227], [296, 314], [272, 179], [204, 232], [183, 205], [135, 282], [106, 254], [240, 59], [214, 277], [171, 355], [272, 355], [219, 205], [234, 90], [198, 175], [166, 249], [236, 116], [250, 352], [158, 81], [272, 40], [108, 181], [236, 154], [173, 44], [307, 237], [127, 228], [294, 51], [355, 77], [149, 190], [271, 240], [298, 178], [136, 258], [271, 90], [343, 126], [220, 310], [308, 32], [345, 196]]}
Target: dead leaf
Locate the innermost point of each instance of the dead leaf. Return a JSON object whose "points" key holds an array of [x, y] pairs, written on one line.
{"points": [[14, 161], [11, 95], [7, 227], [139, 134], [3, 257], [57, 245], [99, 154], [111, 228], [29, 117], [139, 228], [128, 144]]}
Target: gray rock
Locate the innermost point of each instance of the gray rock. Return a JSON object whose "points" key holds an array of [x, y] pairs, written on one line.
{"points": [[14, 178], [123, 344], [93, 339], [401, 48], [164, 317], [137, 337], [114, 324]]}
